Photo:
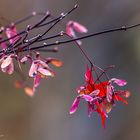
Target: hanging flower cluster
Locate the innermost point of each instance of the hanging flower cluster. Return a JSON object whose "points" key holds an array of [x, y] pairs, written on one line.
{"points": [[100, 96], [19, 48]]}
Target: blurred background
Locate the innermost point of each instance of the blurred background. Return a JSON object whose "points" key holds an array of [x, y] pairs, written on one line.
{"points": [[46, 115]]}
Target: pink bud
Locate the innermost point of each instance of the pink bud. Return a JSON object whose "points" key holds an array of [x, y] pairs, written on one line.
{"points": [[88, 98], [73, 26], [33, 69], [10, 32], [88, 76], [109, 93], [9, 69], [6, 62], [79, 28], [37, 80], [119, 82], [75, 105], [24, 59]]}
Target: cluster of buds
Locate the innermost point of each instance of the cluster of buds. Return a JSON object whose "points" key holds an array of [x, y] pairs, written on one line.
{"points": [[18, 47]]}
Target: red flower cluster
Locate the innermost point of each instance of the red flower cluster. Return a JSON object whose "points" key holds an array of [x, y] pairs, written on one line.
{"points": [[100, 96]]}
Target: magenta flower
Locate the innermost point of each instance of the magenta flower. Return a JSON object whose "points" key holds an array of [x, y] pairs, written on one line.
{"points": [[73, 26], [119, 82], [38, 70], [40, 67], [23, 59], [10, 32], [89, 98], [7, 64]]}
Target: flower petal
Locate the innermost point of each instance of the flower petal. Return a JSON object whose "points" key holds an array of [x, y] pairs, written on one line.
{"points": [[10, 32], [70, 31], [45, 72], [124, 93], [79, 28], [109, 93], [119, 98], [6, 62], [3, 45], [24, 59], [88, 98], [103, 116], [90, 109], [42, 64], [108, 107], [88, 76], [95, 92], [37, 80], [75, 105], [33, 69], [9, 69], [119, 82]]}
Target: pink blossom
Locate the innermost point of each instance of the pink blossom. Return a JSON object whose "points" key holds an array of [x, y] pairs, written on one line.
{"points": [[119, 82], [23, 59], [73, 26], [75, 105], [76, 102], [37, 80], [39, 69], [7, 64], [10, 32], [109, 93]]}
